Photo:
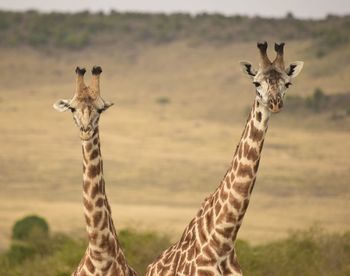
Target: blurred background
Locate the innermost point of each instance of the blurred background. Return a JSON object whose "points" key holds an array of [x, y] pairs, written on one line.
{"points": [[181, 102]]}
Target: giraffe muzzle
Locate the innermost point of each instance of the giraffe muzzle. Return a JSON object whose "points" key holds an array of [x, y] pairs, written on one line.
{"points": [[86, 132], [275, 104]]}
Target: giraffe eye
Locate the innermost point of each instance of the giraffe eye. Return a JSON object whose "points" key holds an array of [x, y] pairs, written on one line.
{"points": [[288, 84], [71, 109], [257, 84]]}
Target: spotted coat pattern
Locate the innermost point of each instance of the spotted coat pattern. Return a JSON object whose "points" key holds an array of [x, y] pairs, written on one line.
{"points": [[104, 255], [206, 247]]}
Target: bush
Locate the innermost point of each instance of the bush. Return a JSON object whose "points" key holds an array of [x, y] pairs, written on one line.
{"points": [[30, 227], [317, 101], [163, 100], [306, 253], [141, 248], [19, 252]]}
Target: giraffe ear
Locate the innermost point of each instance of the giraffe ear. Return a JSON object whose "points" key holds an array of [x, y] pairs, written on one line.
{"points": [[294, 68], [62, 105], [248, 69], [106, 105]]}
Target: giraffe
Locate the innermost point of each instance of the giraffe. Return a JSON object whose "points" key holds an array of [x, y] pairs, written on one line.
{"points": [[104, 255], [206, 247]]}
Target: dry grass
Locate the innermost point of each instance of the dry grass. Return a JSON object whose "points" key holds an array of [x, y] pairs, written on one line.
{"points": [[161, 160]]}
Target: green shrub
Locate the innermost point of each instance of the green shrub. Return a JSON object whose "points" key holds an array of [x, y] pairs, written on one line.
{"points": [[163, 100], [19, 252], [30, 227], [141, 248]]}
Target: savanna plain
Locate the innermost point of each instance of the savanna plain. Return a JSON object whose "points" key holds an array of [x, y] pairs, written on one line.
{"points": [[179, 112]]}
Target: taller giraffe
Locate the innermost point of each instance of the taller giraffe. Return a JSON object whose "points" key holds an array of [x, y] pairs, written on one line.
{"points": [[103, 255], [206, 247]]}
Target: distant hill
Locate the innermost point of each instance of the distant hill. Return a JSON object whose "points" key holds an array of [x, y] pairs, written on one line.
{"points": [[84, 29]]}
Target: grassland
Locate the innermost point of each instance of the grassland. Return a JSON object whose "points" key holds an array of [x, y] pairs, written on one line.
{"points": [[179, 113]]}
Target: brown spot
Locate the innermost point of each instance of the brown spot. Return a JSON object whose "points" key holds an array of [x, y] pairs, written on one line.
{"points": [[242, 188], [224, 249], [191, 252], [217, 208], [84, 157], [104, 241], [244, 208], [261, 146], [235, 164], [227, 183], [87, 220], [215, 244], [88, 205], [259, 116], [96, 255], [224, 268], [223, 194], [93, 154], [89, 265], [252, 154], [176, 257], [93, 171], [226, 232], [255, 134], [82, 273], [245, 149], [111, 248], [193, 269], [202, 236], [86, 186], [252, 186], [94, 191], [203, 261], [114, 270], [99, 202], [159, 266], [95, 141], [182, 261], [240, 151], [88, 147], [256, 166], [244, 170], [209, 220], [225, 215], [186, 271], [232, 177], [107, 266], [101, 186], [97, 218], [234, 263], [93, 237], [105, 223], [235, 202]]}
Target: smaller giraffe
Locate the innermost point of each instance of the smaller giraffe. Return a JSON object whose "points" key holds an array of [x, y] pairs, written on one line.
{"points": [[206, 247], [104, 255]]}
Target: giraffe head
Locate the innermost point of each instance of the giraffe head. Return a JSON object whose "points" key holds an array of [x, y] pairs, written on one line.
{"points": [[86, 104], [272, 79]]}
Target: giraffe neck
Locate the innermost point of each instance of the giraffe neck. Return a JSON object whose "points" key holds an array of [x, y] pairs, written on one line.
{"points": [[104, 255], [206, 244], [238, 183], [99, 223], [222, 213]]}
